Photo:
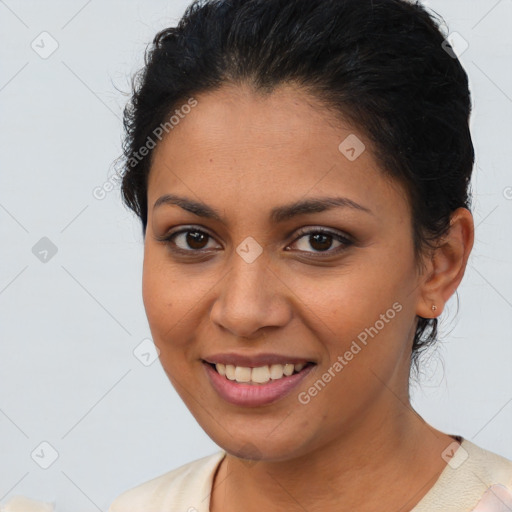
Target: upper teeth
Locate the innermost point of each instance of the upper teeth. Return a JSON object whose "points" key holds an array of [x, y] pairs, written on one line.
{"points": [[259, 375]]}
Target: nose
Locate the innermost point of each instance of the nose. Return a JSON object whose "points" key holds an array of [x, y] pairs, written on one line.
{"points": [[251, 296]]}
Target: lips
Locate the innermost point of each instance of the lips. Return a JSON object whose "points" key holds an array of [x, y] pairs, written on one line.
{"points": [[256, 380]]}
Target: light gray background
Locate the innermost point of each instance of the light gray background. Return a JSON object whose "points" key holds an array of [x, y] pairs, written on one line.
{"points": [[69, 326]]}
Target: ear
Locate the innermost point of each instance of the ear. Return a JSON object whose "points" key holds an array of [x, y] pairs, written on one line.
{"points": [[446, 265]]}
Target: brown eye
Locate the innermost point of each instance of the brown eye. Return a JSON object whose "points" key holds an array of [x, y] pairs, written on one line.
{"points": [[321, 241], [188, 241], [196, 239]]}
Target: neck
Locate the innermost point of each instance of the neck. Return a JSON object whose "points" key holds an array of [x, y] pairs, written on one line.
{"points": [[387, 464]]}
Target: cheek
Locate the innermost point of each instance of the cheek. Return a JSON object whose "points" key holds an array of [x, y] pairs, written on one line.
{"points": [[173, 299], [348, 301], [164, 300], [366, 307], [165, 311], [155, 295]]}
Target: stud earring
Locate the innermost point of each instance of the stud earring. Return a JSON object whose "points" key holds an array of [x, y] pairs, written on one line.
{"points": [[434, 307]]}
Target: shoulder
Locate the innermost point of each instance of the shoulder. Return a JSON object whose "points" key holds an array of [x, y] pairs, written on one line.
{"points": [[489, 466], [474, 479], [185, 488]]}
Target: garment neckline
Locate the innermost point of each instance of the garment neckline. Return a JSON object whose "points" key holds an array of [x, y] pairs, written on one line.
{"points": [[441, 477]]}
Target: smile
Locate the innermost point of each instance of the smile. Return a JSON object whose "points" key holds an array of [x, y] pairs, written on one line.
{"points": [[251, 387], [259, 375]]}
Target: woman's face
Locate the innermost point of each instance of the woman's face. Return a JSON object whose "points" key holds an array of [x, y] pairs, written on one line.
{"points": [[258, 280]]}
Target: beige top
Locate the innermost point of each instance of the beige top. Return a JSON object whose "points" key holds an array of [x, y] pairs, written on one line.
{"points": [[461, 487]]}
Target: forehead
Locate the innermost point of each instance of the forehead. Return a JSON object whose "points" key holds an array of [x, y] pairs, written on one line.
{"points": [[283, 144], [232, 119], [266, 117]]}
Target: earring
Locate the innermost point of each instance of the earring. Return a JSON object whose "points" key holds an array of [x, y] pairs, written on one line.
{"points": [[434, 307]]}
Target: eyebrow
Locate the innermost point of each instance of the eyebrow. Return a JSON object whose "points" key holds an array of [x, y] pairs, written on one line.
{"points": [[277, 214]]}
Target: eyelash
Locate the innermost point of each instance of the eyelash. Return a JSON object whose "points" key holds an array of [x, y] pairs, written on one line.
{"points": [[345, 241]]}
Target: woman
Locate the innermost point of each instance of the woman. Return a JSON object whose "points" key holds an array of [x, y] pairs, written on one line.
{"points": [[301, 171]]}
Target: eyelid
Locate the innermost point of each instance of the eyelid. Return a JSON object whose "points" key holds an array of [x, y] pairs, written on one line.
{"points": [[183, 228], [306, 230], [170, 234], [345, 240]]}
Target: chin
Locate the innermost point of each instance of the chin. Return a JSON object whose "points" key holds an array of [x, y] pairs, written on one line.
{"points": [[254, 445]]}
